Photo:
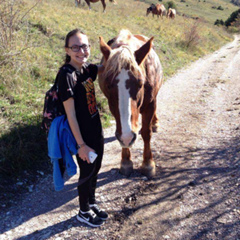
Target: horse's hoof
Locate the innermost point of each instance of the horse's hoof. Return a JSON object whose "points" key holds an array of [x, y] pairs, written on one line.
{"points": [[148, 170], [155, 128], [127, 168]]}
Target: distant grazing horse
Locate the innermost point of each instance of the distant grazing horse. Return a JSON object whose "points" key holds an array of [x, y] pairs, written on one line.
{"points": [[78, 2], [171, 13], [157, 9], [131, 80]]}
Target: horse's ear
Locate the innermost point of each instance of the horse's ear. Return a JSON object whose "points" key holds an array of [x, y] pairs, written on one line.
{"points": [[105, 49], [143, 51]]}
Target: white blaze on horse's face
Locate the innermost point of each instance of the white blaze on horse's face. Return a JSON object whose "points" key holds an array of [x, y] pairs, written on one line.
{"points": [[127, 137]]}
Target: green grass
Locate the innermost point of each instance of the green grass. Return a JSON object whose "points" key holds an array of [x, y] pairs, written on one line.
{"points": [[26, 78]]}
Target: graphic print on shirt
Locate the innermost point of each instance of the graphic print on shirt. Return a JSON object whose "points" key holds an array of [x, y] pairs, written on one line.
{"points": [[90, 94]]}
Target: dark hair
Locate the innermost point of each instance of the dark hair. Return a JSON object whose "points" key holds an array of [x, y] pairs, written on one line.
{"points": [[70, 34]]}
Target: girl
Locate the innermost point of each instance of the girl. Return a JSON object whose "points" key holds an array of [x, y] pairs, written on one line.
{"points": [[76, 91]]}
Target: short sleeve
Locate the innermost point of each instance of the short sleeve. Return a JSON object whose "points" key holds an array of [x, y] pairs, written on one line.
{"points": [[66, 83], [93, 70]]}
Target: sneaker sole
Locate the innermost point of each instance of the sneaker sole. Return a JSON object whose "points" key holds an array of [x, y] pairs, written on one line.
{"points": [[104, 219], [88, 223]]}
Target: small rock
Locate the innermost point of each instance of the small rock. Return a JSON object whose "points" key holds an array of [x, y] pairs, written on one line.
{"points": [[113, 172], [140, 222], [41, 173], [166, 237]]}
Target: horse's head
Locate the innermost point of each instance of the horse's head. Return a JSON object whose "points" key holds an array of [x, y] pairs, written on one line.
{"points": [[123, 84], [148, 10]]}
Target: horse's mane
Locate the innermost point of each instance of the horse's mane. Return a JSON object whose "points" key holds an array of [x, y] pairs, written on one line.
{"points": [[122, 57]]}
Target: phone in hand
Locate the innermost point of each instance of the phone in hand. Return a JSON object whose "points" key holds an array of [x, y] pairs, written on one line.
{"points": [[92, 156]]}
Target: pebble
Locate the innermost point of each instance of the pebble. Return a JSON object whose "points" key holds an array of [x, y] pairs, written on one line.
{"points": [[30, 188], [144, 178]]}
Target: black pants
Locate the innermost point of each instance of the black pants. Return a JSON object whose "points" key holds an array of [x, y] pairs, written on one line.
{"points": [[88, 177]]}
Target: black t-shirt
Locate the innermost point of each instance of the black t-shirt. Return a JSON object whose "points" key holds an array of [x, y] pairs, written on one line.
{"points": [[79, 85]]}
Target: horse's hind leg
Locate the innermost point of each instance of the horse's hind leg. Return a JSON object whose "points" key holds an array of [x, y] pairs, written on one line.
{"points": [[126, 163], [148, 165]]}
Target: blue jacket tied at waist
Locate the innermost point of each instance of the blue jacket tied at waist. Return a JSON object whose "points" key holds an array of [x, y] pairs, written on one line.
{"points": [[61, 144]]}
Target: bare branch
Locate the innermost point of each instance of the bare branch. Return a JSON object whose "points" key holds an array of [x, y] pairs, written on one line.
{"points": [[29, 10]]}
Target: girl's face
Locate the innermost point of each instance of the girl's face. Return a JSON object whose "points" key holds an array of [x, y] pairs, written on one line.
{"points": [[78, 49]]}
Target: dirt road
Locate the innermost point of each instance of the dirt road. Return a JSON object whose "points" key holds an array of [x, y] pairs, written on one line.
{"points": [[196, 191]]}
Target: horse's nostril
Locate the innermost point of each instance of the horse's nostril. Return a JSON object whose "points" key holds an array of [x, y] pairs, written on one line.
{"points": [[133, 139], [126, 140]]}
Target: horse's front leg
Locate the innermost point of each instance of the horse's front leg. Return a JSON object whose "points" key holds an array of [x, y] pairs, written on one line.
{"points": [[126, 163], [88, 3], [77, 2], [148, 166], [155, 122], [104, 5]]}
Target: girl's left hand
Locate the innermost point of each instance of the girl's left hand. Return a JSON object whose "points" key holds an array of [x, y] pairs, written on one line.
{"points": [[83, 153]]}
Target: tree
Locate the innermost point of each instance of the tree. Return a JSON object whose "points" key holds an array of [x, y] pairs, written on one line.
{"points": [[233, 17]]}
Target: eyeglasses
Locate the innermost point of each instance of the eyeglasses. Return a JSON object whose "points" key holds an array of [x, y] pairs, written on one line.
{"points": [[76, 48]]}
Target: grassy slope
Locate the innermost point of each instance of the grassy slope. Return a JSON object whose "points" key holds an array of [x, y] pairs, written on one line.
{"points": [[26, 81]]}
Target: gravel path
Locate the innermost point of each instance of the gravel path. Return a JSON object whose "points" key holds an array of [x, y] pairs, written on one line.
{"points": [[195, 194]]}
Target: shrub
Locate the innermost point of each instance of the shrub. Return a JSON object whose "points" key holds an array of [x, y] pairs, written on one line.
{"points": [[170, 4], [220, 8], [191, 35], [12, 14]]}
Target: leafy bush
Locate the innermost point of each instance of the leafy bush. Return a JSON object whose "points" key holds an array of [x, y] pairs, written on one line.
{"points": [[219, 22]]}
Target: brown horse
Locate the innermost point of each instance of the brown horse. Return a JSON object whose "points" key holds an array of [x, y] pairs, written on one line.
{"points": [[157, 9], [78, 2], [131, 81]]}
